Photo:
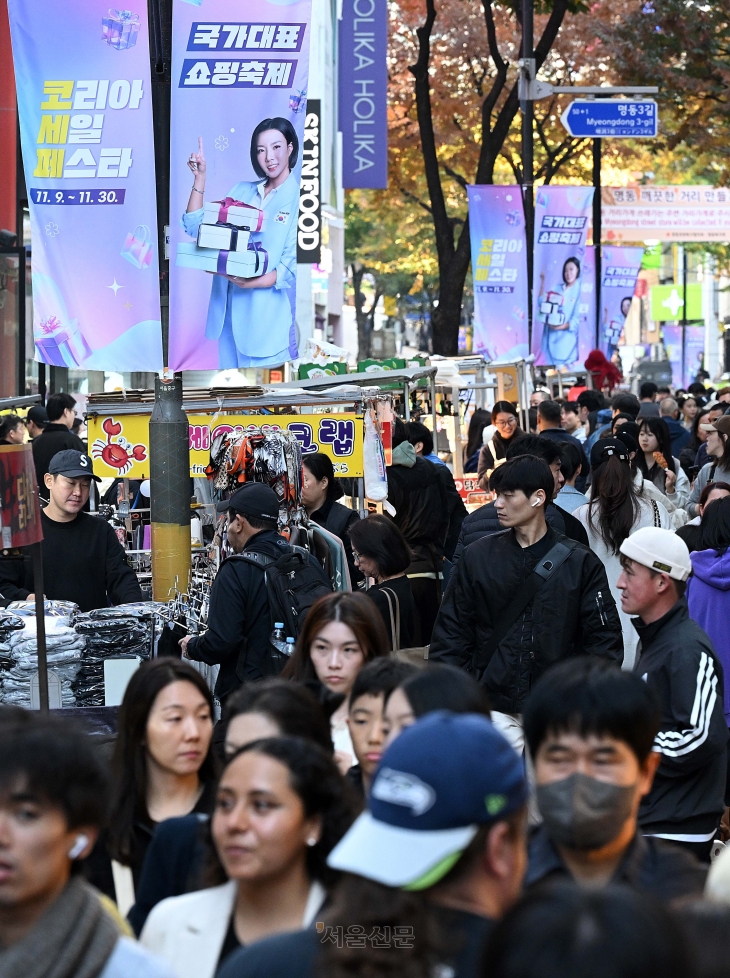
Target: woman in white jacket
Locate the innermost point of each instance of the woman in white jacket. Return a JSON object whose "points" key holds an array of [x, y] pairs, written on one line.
{"points": [[281, 807], [615, 511]]}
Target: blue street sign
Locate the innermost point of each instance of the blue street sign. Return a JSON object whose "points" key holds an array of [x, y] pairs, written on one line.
{"points": [[617, 118]]}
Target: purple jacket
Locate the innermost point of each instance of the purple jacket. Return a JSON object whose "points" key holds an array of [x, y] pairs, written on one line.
{"points": [[708, 597]]}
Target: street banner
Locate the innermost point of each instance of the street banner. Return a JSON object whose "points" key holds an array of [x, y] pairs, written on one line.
{"points": [[120, 444], [694, 351], [667, 213], [20, 514], [84, 102], [239, 100], [363, 93], [563, 289], [620, 269], [309, 223], [499, 269]]}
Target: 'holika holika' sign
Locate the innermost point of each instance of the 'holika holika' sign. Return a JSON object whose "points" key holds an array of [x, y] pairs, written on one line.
{"points": [[363, 84]]}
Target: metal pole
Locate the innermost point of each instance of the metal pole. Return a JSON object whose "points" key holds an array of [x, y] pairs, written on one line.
{"points": [[597, 231], [527, 107], [433, 406], [40, 626]]}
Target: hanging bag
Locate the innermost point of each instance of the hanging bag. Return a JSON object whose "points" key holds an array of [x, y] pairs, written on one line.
{"points": [[417, 655]]}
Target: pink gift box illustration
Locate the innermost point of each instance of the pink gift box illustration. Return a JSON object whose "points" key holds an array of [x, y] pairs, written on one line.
{"points": [[62, 346], [120, 29], [137, 248]]}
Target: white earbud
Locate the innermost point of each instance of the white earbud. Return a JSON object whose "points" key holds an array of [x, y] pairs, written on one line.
{"points": [[79, 845], [312, 842], [536, 503]]}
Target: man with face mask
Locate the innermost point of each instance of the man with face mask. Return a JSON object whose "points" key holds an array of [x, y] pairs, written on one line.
{"points": [[678, 662], [591, 729]]}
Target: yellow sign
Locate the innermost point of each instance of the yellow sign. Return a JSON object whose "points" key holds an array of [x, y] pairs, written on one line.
{"points": [[507, 389], [120, 445]]}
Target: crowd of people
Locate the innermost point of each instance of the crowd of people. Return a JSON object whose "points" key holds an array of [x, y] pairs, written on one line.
{"points": [[503, 754]]}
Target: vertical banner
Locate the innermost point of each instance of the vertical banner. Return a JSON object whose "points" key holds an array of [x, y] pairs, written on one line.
{"points": [[672, 336], [694, 351], [560, 289], [499, 268], [620, 269], [239, 98], [363, 93], [587, 307], [85, 108], [309, 223]]}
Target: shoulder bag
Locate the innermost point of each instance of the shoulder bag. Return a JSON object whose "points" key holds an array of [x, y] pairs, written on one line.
{"points": [[416, 656]]}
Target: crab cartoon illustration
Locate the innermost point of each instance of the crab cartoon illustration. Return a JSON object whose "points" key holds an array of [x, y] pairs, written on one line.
{"points": [[120, 454]]}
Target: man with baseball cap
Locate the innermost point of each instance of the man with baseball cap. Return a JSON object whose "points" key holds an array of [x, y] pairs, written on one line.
{"points": [[36, 420], [676, 659], [83, 560], [446, 822], [239, 623]]}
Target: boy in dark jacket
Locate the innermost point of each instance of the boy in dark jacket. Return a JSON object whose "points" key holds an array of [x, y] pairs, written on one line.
{"points": [[569, 610], [677, 660]]}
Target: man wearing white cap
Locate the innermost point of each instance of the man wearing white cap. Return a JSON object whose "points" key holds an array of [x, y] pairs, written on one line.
{"points": [[677, 659]]}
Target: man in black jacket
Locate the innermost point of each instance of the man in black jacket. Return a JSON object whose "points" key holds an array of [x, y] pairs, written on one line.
{"points": [[417, 494], [677, 660], [483, 521], [590, 729], [571, 611], [56, 436], [83, 560], [239, 621], [422, 440]]}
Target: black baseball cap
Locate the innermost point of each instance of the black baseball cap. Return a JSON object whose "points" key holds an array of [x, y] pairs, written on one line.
{"points": [[253, 499], [37, 415], [604, 448], [72, 464]]}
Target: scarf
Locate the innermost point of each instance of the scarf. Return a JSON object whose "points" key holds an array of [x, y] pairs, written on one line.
{"points": [[73, 939]]}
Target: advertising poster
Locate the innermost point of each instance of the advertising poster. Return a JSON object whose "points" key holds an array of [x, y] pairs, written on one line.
{"points": [[620, 268], [363, 93], [84, 102], [239, 99], [120, 445], [562, 289], [499, 268], [694, 351], [20, 514], [681, 213]]}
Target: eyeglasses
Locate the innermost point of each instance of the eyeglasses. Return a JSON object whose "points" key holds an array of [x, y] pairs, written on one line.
{"points": [[356, 556], [506, 424]]}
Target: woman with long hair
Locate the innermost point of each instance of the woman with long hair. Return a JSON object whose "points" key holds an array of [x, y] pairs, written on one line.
{"points": [[657, 464], [281, 807], [382, 553], [320, 492], [504, 419], [616, 509], [162, 767], [480, 420], [258, 710], [718, 448], [689, 408], [341, 633]]}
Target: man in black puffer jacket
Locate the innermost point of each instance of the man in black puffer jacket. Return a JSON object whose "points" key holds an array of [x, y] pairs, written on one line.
{"points": [[484, 521], [571, 612]]}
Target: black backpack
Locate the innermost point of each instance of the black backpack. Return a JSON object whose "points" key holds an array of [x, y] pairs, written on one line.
{"points": [[293, 583]]}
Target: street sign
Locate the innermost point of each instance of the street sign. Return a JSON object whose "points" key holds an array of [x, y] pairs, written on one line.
{"points": [[615, 118], [667, 303]]}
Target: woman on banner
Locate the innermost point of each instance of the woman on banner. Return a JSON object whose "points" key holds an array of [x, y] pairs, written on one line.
{"points": [[613, 328], [252, 318], [559, 313]]}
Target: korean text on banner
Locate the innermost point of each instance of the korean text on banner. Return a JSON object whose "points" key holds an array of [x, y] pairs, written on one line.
{"points": [[20, 514], [562, 300], [667, 213], [119, 445], [363, 93], [239, 98], [619, 270], [85, 109], [499, 267]]}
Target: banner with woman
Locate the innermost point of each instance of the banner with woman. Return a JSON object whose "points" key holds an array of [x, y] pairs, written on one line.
{"points": [[239, 94], [562, 291]]}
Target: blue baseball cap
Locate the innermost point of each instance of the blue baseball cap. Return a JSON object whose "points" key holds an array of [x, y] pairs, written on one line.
{"points": [[442, 779]]}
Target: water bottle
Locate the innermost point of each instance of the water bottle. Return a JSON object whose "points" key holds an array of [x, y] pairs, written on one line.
{"points": [[278, 639], [290, 642]]}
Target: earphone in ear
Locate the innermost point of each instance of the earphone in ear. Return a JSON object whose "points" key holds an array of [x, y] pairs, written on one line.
{"points": [[78, 847], [536, 503]]}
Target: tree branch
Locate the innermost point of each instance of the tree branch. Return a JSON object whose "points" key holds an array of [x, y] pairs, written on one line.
{"points": [[407, 193], [462, 181]]}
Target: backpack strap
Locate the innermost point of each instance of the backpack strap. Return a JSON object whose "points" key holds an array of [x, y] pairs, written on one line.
{"points": [[542, 572], [252, 557], [655, 510]]}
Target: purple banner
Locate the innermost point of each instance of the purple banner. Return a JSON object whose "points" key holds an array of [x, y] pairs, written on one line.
{"points": [[363, 93], [561, 290], [620, 268], [499, 268], [237, 144], [83, 78], [587, 307], [694, 350]]}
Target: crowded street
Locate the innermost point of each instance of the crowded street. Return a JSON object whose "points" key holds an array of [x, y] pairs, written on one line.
{"points": [[364, 489]]}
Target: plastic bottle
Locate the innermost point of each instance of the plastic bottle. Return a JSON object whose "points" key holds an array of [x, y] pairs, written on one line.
{"points": [[290, 642], [278, 639]]}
